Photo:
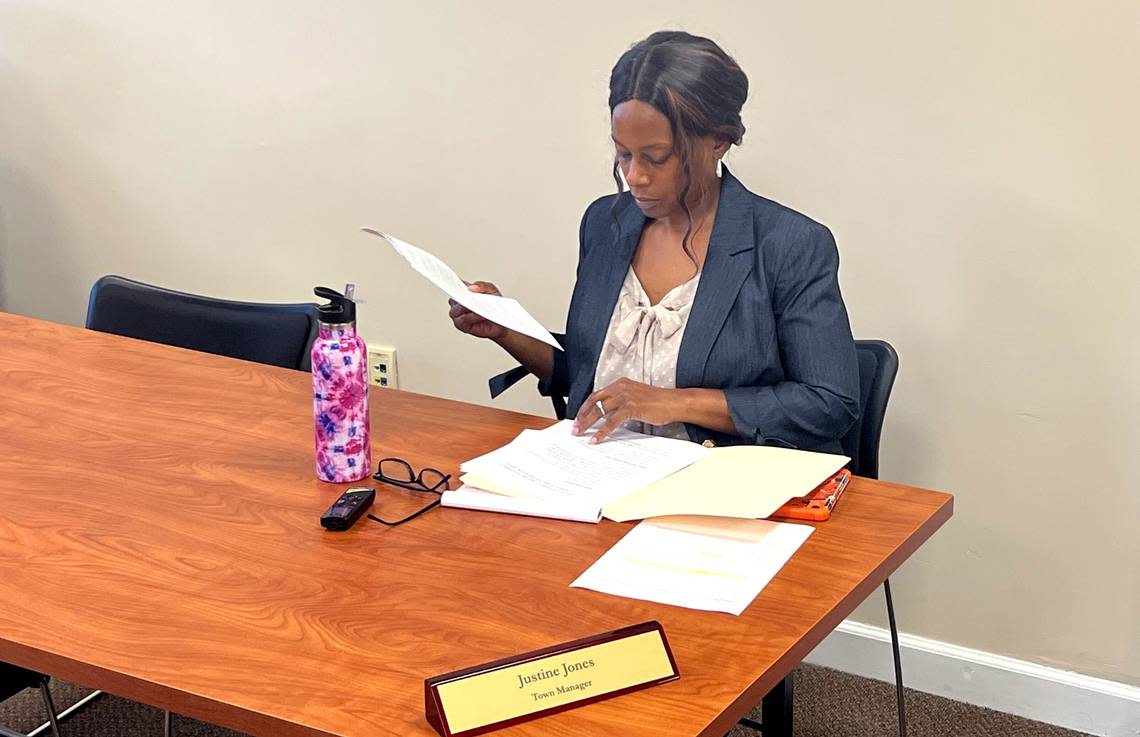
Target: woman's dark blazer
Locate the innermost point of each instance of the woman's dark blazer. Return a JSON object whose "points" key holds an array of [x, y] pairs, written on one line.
{"points": [[767, 325]]}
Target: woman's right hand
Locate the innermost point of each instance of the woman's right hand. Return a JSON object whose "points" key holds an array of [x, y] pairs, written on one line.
{"points": [[468, 322]]}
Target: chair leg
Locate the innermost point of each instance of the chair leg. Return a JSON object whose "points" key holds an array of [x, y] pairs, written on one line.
{"points": [[776, 709], [65, 714], [167, 724], [50, 706]]}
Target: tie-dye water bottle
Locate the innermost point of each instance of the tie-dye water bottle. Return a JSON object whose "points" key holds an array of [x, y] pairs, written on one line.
{"points": [[340, 392]]}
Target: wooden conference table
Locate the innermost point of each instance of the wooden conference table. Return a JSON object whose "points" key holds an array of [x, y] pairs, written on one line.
{"points": [[159, 539]]}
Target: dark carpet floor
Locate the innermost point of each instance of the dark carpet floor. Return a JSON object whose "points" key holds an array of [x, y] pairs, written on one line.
{"points": [[828, 704]]}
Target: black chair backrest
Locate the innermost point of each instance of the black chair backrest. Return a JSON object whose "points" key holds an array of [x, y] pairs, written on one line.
{"points": [[878, 366], [275, 334]]}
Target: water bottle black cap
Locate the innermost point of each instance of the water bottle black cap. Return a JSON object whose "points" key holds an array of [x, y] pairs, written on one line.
{"points": [[340, 309]]}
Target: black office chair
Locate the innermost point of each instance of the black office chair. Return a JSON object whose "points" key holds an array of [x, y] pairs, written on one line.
{"points": [[501, 382], [878, 366], [13, 680], [275, 334]]}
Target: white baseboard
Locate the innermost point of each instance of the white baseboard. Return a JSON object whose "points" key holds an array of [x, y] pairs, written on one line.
{"points": [[1050, 695]]}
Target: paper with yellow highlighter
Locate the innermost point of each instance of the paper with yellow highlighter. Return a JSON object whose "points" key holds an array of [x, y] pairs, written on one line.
{"points": [[718, 565], [630, 476]]}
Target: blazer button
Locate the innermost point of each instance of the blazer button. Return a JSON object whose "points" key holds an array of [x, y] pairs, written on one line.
{"points": [[710, 443]]}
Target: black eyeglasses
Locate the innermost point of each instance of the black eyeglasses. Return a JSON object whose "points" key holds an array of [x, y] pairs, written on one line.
{"points": [[398, 472]]}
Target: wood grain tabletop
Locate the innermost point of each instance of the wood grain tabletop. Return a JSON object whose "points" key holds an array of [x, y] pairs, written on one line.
{"points": [[159, 539]]}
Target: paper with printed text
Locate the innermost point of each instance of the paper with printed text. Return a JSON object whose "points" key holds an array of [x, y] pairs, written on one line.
{"points": [[500, 310]]}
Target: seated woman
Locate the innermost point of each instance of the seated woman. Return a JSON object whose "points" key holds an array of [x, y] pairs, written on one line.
{"points": [[701, 311]]}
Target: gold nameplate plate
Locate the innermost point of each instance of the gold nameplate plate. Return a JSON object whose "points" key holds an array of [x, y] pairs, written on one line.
{"points": [[524, 687]]}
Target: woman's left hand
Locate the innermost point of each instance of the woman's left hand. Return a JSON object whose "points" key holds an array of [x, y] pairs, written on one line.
{"points": [[623, 400]]}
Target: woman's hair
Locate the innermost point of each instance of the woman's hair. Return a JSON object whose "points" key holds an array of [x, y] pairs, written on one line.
{"points": [[693, 83]]}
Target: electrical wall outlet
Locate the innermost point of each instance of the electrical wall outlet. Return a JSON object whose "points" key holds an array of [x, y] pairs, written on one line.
{"points": [[382, 367]]}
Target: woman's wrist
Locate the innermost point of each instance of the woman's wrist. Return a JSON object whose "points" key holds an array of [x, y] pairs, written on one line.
{"points": [[503, 338], [536, 356], [705, 407]]}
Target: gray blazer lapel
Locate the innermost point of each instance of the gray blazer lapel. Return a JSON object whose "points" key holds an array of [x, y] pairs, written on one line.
{"points": [[727, 264], [608, 266]]}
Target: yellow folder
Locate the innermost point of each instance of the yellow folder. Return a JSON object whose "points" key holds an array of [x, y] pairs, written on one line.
{"points": [[746, 481]]}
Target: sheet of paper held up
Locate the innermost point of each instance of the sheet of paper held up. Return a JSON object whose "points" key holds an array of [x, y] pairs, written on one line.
{"points": [[552, 463], [698, 563], [501, 310]]}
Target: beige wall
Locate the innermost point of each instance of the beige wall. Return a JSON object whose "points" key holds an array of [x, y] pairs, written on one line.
{"points": [[977, 161]]}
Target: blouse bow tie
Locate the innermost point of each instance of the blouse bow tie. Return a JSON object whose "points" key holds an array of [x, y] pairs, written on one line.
{"points": [[638, 318]]}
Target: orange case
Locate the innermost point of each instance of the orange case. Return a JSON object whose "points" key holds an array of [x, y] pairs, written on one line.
{"points": [[813, 507]]}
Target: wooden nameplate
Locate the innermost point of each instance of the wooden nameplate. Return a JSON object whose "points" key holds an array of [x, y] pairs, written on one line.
{"points": [[531, 685]]}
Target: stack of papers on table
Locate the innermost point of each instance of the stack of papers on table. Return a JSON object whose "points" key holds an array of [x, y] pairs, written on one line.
{"points": [[717, 565], [552, 473], [629, 476]]}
